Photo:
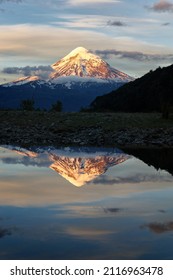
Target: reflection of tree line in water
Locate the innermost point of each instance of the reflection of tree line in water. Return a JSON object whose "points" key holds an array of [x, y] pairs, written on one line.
{"points": [[159, 158], [158, 227]]}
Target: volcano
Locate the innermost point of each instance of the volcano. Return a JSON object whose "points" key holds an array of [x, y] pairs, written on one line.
{"points": [[76, 80], [82, 63]]}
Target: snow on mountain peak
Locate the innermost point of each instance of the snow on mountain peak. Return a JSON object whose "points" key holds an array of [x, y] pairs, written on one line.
{"points": [[76, 58], [78, 54], [22, 81], [79, 171], [82, 63], [78, 51]]}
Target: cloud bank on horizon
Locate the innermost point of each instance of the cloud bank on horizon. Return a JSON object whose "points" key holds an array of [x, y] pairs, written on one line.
{"points": [[132, 36]]}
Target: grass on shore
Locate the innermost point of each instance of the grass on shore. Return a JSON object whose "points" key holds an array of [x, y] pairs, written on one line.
{"points": [[73, 121]]}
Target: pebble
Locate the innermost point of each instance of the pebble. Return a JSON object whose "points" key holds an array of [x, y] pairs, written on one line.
{"points": [[39, 135]]}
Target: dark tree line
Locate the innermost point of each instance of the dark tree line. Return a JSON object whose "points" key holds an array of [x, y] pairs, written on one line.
{"points": [[28, 105]]}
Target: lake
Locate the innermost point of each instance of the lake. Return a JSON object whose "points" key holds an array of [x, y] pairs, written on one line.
{"points": [[85, 203]]}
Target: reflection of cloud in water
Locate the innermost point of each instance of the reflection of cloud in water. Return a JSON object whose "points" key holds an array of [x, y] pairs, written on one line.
{"points": [[26, 161], [137, 178], [161, 211], [159, 227], [112, 210], [4, 232], [88, 233], [87, 211]]}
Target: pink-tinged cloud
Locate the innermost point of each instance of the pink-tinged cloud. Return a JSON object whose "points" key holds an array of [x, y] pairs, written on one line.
{"points": [[163, 6]]}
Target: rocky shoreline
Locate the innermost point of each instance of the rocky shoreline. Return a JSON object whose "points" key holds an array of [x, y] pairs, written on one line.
{"points": [[39, 134]]}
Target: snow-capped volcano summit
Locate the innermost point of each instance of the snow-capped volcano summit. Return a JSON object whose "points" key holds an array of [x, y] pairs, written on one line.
{"points": [[76, 80], [82, 63]]}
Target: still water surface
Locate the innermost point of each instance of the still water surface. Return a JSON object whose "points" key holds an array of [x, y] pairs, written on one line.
{"points": [[85, 203]]}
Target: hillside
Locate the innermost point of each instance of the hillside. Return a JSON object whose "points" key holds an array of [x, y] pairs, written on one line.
{"points": [[152, 92]]}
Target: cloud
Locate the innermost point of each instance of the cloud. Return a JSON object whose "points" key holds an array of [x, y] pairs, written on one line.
{"points": [[79, 21], [49, 42], [41, 71], [162, 6], [133, 55], [166, 24], [89, 21], [44, 43], [116, 23], [85, 2], [14, 1]]}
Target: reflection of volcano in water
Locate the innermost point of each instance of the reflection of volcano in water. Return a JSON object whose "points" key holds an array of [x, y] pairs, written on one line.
{"points": [[26, 153], [78, 166], [79, 171]]}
